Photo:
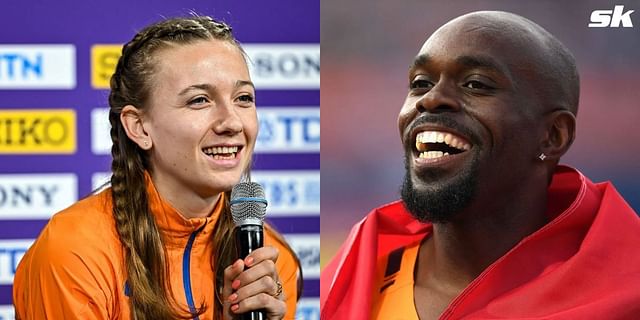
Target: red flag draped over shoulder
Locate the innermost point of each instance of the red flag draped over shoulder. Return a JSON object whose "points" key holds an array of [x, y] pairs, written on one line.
{"points": [[347, 280], [583, 264]]}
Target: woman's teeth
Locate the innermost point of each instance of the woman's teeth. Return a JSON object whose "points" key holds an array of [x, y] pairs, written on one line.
{"points": [[220, 153]]}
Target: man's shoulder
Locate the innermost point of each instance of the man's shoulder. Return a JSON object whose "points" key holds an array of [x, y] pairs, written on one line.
{"points": [[614, 213], [392, 212], [391, 207], [393, 219], [612, 197], [384, 229]]}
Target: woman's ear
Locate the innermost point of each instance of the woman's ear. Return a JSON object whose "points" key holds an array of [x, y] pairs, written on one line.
{"points": [[560, 131], [131, 119]]}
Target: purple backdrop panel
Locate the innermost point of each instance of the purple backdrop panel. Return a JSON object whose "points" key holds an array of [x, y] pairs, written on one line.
{"points": [[35, 183]]}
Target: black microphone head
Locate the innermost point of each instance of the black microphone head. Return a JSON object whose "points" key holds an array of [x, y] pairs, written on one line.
{"points": [[248, 203]]}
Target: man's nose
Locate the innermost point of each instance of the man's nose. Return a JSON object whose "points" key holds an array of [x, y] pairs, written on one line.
{"points": [[441, 98], [227, 120]]}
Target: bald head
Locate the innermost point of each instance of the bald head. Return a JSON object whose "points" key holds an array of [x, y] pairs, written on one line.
{"points": [[534, 51]]}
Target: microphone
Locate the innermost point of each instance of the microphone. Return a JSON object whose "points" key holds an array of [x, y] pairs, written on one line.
{"points": [[248, 207]]}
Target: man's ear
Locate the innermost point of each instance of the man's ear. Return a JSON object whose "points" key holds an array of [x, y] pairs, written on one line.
{"points": [[560, 126], [131, 119]]}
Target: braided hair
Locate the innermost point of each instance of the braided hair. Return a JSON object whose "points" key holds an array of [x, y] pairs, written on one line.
{"points": [[145, 261]]}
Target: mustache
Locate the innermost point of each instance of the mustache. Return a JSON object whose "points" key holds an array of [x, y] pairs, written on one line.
{"points": [[444, 121]]}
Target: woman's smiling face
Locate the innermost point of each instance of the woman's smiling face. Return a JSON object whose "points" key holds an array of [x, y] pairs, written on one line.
{"points": [[201, 118]]}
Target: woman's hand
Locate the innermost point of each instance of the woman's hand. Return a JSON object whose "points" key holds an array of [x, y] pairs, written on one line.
{"points": [[256, 288]]}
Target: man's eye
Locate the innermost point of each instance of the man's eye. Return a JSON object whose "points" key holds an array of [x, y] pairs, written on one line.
{"points": [[420, 84], [473, 84]]}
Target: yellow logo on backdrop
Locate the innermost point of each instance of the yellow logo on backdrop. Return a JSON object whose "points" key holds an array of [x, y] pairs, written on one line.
{"points": [[104, 58], [38, 131]]}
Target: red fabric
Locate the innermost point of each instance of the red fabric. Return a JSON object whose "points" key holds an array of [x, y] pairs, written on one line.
{"points": [[584, 264]]}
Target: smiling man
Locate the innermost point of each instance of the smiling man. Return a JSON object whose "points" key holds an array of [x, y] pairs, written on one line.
{"points": [[490, 226]]}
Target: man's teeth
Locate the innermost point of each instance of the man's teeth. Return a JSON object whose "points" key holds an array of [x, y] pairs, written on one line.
{"points": [[451, 140], [221, 152], [433, 154]]}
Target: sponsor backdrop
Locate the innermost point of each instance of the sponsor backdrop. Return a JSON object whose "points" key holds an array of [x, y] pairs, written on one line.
{"points": [[364, 83], [54, 131]]}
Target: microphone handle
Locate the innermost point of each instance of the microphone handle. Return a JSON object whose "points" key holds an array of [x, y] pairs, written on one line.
{"points": [[249, 237]]}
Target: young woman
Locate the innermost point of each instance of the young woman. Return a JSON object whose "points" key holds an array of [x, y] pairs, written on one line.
{"points": [[158, 244]]}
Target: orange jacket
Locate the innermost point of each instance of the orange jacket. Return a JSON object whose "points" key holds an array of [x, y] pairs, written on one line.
{"points": [[75, 269]]}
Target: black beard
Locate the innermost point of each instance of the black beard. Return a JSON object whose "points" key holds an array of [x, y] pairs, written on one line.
{"points": [[441, 202]]}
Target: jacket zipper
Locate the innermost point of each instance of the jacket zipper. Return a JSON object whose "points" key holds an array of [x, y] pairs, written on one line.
{"points": [[186, 271]]}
